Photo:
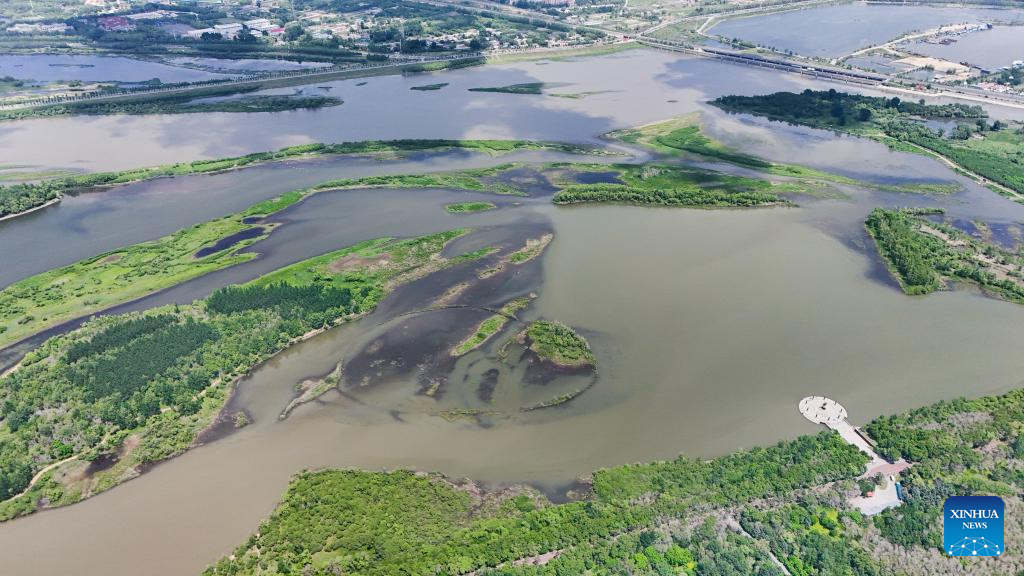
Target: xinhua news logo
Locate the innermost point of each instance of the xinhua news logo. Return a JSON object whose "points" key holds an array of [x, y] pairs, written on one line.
{"points": [[973, 526]]}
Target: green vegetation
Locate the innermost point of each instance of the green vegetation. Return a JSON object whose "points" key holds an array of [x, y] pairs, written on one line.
{"points": [[46, 299], [685, 135], [139, 388], [531, 250], [994, 152], [672, 185], [370, 523], [428, 87], [466, 207], [922, 255], [731, 516], [910, 253], [559, 344], [90, 285], [177, 104], [21, 197], [961, 447], [491, 326], [527, 88], [556, 401]]}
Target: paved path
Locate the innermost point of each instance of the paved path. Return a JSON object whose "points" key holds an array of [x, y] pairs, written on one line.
{"points": [[828, 412]]}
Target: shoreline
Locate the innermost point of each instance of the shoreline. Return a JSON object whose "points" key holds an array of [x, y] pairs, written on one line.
{"points": [[208, 424], [8, 339], [46, 204]]}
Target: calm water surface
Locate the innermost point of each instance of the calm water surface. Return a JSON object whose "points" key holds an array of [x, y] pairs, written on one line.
{"points": [[833, 31], [705, 343], [991, 49], [635, 87], [52, 67]]}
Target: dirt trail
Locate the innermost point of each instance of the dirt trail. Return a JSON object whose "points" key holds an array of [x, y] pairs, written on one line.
{"points": [[1017, 196]]}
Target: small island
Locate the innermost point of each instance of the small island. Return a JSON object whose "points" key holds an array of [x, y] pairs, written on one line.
{"points": [[469, 207], [558, 344], [525, 88], [429, 87], [924, 254]]}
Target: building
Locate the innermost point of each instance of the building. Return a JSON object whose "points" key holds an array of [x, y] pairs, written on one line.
{"points": [[260, 25], [115, 24], [23, 28], [198, 32], [154, 15]]}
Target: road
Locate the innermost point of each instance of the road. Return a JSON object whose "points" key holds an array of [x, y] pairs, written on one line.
{"points": [[741, 12]]}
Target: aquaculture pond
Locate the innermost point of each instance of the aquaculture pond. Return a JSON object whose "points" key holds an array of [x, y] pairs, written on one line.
{"points": [[839, 29]]}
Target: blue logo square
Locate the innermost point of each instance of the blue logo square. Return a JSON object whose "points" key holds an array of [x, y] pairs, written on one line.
{"points": [[973, 526]]}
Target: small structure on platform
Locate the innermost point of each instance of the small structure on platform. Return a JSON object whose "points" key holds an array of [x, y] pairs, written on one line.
{"points": [[821, 410], [828, 412]]}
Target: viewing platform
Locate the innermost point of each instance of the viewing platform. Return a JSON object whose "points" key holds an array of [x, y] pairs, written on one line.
{"points": [[828, 412]]}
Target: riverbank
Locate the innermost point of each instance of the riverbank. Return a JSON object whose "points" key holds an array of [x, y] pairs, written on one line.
{"points": [[924, 254], [42, 206], [686, 135], [162, 378], [987, 152], [35, 193], [109, 104], [121, 275], [784, 507]]}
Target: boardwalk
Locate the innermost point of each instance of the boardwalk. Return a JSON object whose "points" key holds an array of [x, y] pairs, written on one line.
{"points": [[828, 412]]}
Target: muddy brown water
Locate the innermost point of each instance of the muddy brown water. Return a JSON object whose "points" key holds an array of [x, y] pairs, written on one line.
{"points": [[708, 326]]}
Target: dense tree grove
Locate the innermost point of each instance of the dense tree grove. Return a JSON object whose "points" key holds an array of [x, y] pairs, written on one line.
{"points": [[960, 447], [748, 513], [910, 252], [987, 150], [353, 522], [558, 343], [920, 259], [21, 197], [117, 335], [810, 538], [163, 375], [287, 300]]}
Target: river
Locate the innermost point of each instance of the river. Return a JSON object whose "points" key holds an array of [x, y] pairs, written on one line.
{"points": [[708, 326], [626, 89]]}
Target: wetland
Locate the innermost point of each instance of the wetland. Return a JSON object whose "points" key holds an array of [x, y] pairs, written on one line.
{"points": [[704, 326]]}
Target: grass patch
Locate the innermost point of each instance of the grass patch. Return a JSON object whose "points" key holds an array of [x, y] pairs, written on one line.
{"points": [[525, 88], [992, 151], [140, 388], [467, 207], [673, 185], [18, 198], [429, 87], [490, 326], [35, 303]]}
